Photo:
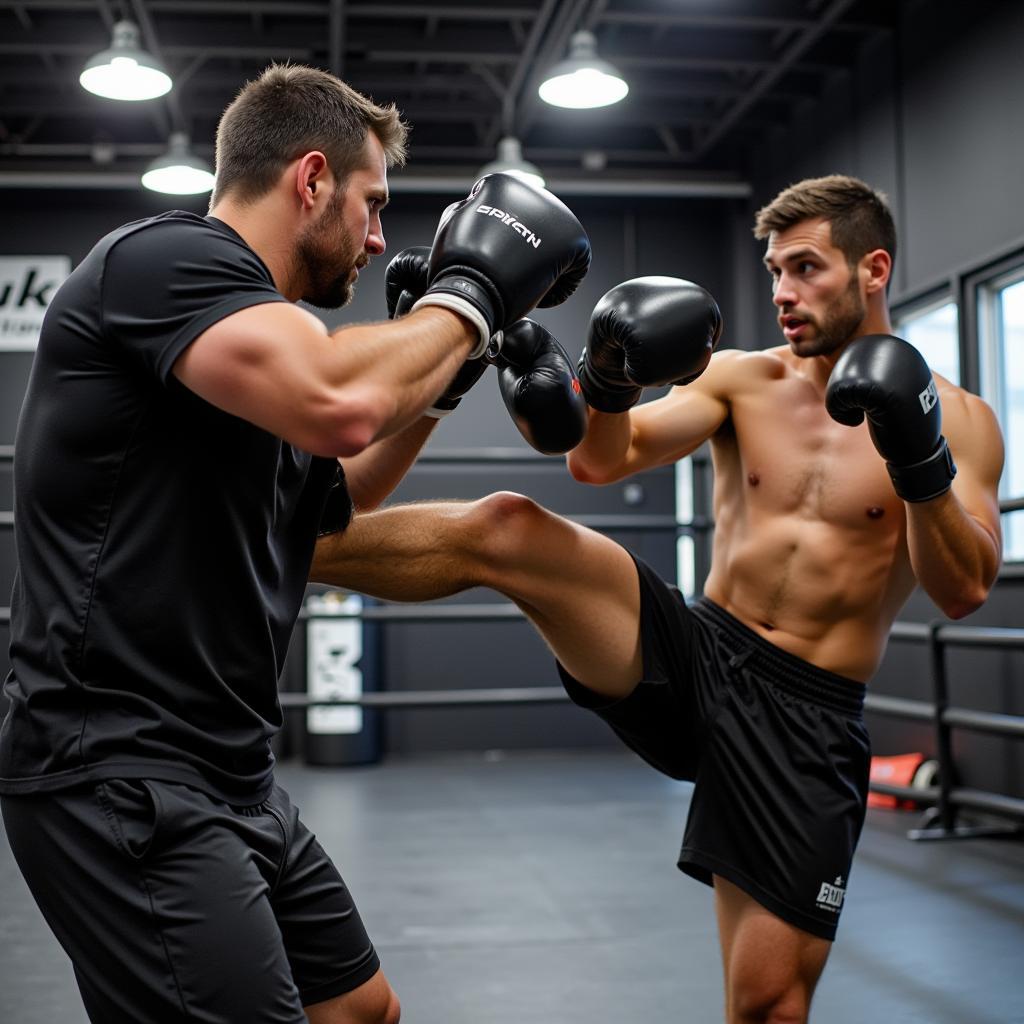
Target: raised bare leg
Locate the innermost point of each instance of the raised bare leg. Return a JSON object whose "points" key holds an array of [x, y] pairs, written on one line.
{"points": [[579, 588]]}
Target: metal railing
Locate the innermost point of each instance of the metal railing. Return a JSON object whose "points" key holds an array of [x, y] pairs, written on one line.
{"points": [[946, 799]]}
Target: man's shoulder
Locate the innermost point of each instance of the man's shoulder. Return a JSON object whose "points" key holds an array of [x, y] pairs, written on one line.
{"points": [[737, 366], [962, 406], [176, 244], [163, 228]]}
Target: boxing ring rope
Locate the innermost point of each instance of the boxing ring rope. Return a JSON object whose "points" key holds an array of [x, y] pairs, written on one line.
{"points": [[945, 799]]}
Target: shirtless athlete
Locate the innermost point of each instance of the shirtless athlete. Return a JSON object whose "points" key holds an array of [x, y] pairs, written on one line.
{"points": [[824, 525]]}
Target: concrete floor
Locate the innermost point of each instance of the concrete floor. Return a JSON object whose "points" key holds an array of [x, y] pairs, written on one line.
{"points": [[543, 888]]}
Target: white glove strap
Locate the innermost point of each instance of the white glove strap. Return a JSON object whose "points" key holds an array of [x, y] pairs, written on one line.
{"points": [[463, 308], [494, 347], [435, 413]]}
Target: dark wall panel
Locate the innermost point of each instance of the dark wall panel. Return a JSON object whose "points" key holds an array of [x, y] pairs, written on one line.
{"points": [[963, 82], [14, 370], [928, 117]]}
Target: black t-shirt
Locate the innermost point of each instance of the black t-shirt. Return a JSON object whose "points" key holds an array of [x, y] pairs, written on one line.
{"points": [[163, 544]]}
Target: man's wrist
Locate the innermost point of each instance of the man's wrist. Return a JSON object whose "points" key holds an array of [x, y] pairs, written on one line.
{"points": [[465, 309], [926, 479], [440, 409]]}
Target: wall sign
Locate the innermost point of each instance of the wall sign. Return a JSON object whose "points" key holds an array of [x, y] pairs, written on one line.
{"points": [[333, 652], [27, 284]]}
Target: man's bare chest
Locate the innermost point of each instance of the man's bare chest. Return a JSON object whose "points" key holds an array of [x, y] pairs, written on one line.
{"points": [[789, 457]]}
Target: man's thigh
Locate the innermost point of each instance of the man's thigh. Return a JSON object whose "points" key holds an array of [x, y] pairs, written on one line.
{"points": [[579, 588]]}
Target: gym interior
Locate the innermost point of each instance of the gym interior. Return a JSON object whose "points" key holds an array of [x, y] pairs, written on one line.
{"points": [[512, 860]]}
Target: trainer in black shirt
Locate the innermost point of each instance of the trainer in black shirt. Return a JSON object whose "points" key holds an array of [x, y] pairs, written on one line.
{"points": [[176, 459]]}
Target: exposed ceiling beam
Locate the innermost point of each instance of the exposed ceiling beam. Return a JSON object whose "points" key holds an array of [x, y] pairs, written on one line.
{"points": [[459, 153], [567, 21], [510, 100], [455, 184], [769, 78], [266, 52], [297, 8], [413, 111], [724, 22], [213, 48], [106, 14], [169, 102], [441, 56], [336, 35], [462, 71], [214, 84]]}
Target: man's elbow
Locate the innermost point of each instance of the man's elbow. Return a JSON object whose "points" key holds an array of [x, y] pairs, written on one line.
{"points": [[350, 422], [965, 603], [588, 472]]}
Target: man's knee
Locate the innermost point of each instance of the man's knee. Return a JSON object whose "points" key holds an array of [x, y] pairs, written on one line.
{"points": [[374, 1002], [507, 527], [771, 993], [391, 1011], [761, 1004]]}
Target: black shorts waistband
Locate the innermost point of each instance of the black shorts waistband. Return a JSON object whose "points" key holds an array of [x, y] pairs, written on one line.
{"points": [[779, 667]]}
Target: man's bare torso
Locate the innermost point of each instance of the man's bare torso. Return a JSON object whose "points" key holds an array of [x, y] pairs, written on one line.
{"points": [[810, 538]]}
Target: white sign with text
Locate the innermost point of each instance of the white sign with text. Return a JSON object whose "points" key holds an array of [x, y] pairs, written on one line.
{"points": [[27, 284]]}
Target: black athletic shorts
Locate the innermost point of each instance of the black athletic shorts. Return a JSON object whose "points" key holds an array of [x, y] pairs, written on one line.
{"points": [[174, 906], [776, 748]]}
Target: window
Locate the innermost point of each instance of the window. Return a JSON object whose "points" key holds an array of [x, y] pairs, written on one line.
{"points": [[685, 551], [1001, 337], [933, 331]]}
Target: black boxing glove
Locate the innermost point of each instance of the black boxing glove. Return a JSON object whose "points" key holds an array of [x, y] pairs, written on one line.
{"points": [[647, 332], [405, 280], [465, 377], [505, 249], [540, 389], [887, 379]]}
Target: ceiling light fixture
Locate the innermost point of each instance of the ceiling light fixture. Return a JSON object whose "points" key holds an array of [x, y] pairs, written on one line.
{"points": [[125, 71], [583, 79], [178, 172], [510, 161]]}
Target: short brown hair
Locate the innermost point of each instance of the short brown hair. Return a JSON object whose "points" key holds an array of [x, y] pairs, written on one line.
{"points": [[292, 109], [858, 214]]}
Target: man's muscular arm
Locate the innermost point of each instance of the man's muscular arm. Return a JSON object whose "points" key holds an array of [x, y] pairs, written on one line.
{"points": [[647, 332], [377, 470], [620, 444], [955, 540], [950, 490], [330, 394]]}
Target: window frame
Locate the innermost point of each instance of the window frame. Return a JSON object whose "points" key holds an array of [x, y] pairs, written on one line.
{"points": [[991, 338], [928, 302], [980, 289]]}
